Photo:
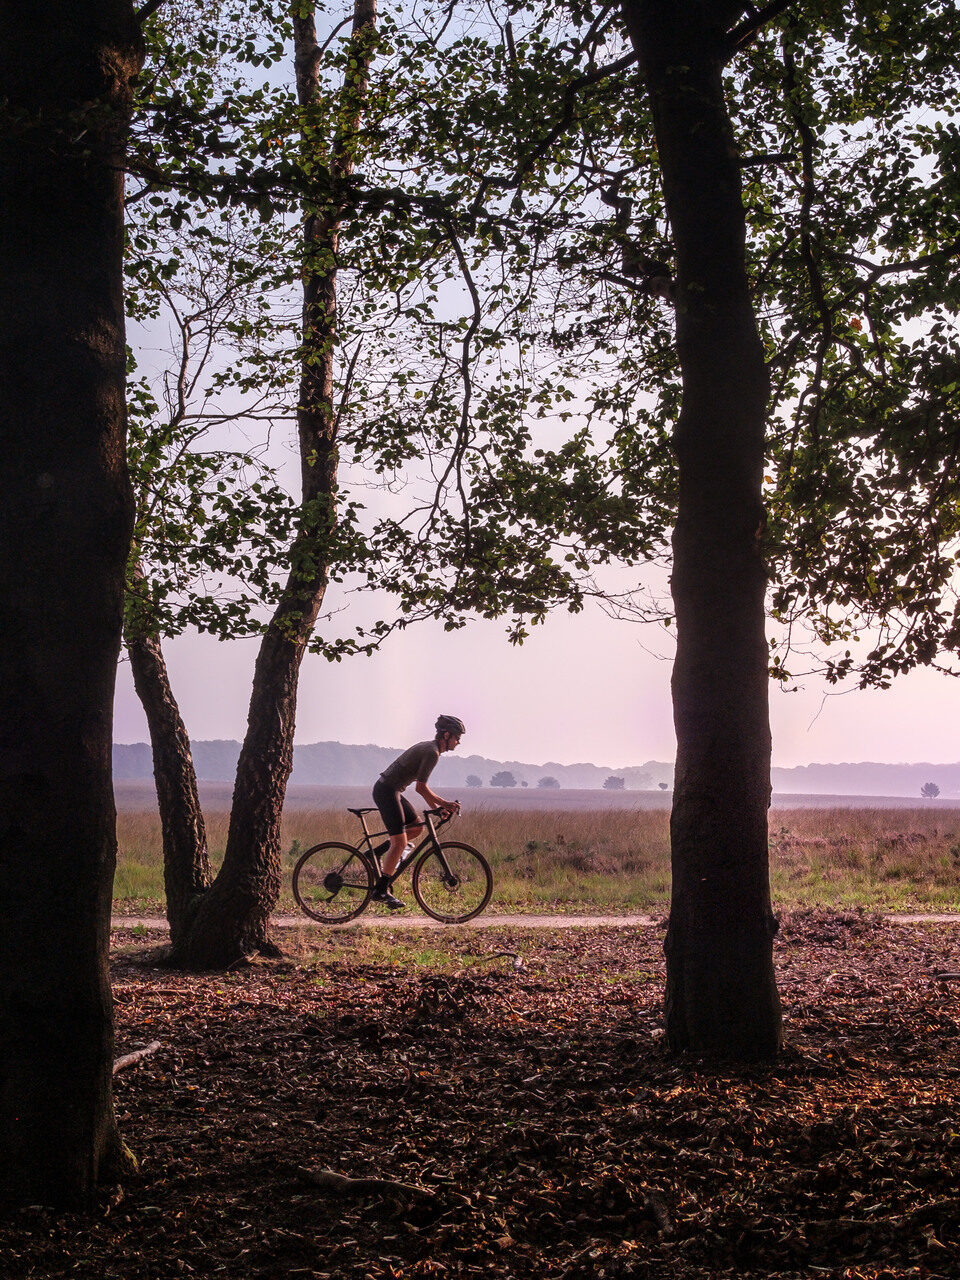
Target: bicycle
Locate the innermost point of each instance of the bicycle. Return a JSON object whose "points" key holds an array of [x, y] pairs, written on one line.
{"points": [[333, 882]]}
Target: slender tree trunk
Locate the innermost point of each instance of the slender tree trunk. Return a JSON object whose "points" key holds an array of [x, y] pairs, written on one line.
{"points": [[721, 996], [186, 868], [231, 919], [65, 520]]}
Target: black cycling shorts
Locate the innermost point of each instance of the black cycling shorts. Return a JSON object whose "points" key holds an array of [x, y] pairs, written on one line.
{"points": [[395, 809]]}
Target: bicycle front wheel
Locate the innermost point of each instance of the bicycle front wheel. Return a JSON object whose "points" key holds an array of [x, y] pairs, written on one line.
{"points": [[333, 882], [452, 882]]}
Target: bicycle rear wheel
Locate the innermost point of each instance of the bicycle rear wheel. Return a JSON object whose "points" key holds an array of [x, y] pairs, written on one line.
{"points": [[333, 882], [455, 887]]}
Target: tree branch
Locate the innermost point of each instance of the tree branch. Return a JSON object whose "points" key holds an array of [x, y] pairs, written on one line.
{"points": [[131, 1059], [808, 144], [566, 118], [463, 432], [335, 32], [744, 33], [939, 257], [340, 1184], [764, 157], [148, 10]]}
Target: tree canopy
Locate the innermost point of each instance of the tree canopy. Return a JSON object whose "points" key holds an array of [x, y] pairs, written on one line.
{"points": [[510, 301]]}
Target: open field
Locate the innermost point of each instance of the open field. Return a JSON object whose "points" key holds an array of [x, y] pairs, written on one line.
{"points": [[523, 1123], [135, 796], [617, 859]]}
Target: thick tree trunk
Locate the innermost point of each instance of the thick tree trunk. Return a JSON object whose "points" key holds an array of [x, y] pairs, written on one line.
{"points": [[186, 868], [231, 919], [721, 996], [65, 520]]}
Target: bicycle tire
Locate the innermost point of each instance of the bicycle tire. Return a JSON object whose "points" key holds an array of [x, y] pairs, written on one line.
{"points": [[463, 899], [320, 896]]}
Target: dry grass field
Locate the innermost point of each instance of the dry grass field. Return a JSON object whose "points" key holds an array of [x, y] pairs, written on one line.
{"points": [[618, 859]]}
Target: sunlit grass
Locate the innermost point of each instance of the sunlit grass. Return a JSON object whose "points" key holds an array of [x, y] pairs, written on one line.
{"points": [[618, 860], [447, 952]]}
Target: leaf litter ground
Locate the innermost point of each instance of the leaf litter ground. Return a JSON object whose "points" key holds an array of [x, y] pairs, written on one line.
{"points": [[524, 1122]]}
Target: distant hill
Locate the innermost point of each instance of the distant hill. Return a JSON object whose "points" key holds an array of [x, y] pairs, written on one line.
{"points": [[867, 779], [343, 764]]}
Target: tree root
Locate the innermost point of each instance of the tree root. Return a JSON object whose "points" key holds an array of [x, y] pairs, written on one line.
{"points": [[118, 1161]]}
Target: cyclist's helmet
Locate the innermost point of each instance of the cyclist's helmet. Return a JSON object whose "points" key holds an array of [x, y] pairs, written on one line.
{"points": [[450, 724]]}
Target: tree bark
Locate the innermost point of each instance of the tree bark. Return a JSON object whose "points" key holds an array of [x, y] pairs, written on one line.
{"points": [[231, 919], [186, 866], [721, 995], [65, 522]]}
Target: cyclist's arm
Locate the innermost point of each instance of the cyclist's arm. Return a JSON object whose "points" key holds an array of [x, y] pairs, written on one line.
{"points": [[433, 800]]}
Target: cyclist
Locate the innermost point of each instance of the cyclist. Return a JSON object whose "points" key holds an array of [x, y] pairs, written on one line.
{"points": [[403, 824]]}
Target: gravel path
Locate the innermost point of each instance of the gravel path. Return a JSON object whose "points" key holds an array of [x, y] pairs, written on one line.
{"points": [[404, 920]]}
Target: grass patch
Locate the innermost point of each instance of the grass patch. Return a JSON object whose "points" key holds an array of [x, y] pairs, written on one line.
{"points": [[618, 860], [447, 952]]}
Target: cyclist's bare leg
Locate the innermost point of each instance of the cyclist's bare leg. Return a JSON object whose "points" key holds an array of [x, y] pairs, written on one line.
{"points": [[398, 843]]}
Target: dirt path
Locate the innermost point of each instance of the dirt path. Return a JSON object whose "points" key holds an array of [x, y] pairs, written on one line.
{"points": [[380, 919]]}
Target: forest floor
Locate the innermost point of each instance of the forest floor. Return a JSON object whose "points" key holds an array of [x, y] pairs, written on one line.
{"points": [[519, 1118]]}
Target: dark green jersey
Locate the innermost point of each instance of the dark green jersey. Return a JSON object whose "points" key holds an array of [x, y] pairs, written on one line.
{"points": [[415, 765]]}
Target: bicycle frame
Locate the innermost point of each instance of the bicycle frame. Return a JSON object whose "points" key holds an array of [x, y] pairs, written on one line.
{"points": [[430, 838]]}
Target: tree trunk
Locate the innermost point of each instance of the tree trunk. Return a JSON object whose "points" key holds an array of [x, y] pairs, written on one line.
{"points": [[231, 919], [721, 995], [186, 868], [65, 521]]}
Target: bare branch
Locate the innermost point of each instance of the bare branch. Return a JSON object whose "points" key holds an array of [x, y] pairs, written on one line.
{"points": [[463, 432], [347, 387], [131, 1059], [335, 32]]}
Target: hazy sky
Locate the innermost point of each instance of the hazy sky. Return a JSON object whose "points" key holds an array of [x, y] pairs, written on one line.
{"points": [[582, 688]]}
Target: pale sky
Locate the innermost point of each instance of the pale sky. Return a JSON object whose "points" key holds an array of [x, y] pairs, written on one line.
{"points": [[582, 688]]}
